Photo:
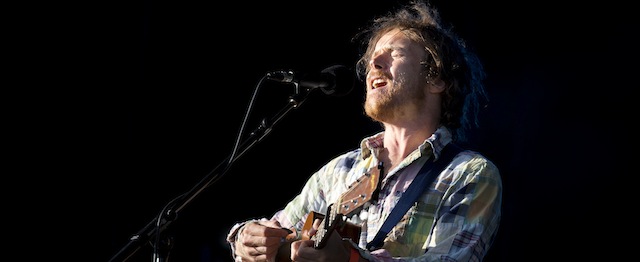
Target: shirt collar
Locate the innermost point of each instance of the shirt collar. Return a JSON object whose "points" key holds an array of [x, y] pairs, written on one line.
{"points": [[440, 138]]}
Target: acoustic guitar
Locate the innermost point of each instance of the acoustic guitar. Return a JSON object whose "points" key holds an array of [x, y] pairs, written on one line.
{"points": [[359, 193]]}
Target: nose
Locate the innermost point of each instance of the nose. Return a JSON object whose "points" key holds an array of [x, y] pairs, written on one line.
{"points": [[377, 61]]}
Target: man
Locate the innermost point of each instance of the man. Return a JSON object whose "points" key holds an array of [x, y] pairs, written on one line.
{"points": [[424, 87]]}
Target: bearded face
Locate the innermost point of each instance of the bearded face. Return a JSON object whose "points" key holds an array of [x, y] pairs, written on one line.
{"points": [[396, 82]]}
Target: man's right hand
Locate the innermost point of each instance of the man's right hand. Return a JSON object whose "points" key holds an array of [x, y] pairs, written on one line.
{"points": [[260, 240]]}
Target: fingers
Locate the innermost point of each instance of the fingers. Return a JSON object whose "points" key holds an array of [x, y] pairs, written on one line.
{"points": [[257, 234], [290, 234], [317, 223], [269, 223], [256, 253], [259, 241], [307, 234], [302, 249], [335, 250], [266, 229]]}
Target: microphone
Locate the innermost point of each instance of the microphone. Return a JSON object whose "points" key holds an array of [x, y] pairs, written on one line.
{"points": [[336, 80]]}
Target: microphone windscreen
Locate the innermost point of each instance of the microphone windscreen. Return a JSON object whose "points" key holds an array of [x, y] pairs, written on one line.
{"points": [[343, 80]]}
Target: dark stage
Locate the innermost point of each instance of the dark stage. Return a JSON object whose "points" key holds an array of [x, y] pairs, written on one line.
{"points": [[151, 96]]}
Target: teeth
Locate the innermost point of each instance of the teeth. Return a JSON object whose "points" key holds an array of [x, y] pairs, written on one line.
{"points": [[377, 82]]}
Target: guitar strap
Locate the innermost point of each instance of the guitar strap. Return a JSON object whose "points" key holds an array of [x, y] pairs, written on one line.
{"points": [[423, 179]]}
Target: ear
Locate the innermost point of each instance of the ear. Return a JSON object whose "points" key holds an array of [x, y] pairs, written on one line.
{"points": [[436, 86]]}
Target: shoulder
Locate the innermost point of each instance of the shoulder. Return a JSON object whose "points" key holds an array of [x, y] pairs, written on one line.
{"points": [[345, 160], [474, 165]]}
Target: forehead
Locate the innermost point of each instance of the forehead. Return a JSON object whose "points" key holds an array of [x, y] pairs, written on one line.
{"points": [[396, 39]]}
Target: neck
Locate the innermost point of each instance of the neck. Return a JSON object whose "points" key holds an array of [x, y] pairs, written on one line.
{"points": [[399, 142]]}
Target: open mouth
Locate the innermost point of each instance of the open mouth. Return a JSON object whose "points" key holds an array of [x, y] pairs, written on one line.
{"points": [[378, 83]]}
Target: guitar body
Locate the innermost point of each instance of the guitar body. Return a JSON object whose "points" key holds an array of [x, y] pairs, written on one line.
{"points": [[344, 229], [359, 193]]}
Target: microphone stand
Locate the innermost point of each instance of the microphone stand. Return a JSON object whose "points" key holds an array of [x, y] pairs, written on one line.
{"points": [[154, 230]]}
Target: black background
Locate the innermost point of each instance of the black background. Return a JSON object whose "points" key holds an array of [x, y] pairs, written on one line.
{"points": [[126, 105]]}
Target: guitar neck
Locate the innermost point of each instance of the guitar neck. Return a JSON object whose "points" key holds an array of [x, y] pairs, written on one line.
{"points": [[358, 194]]}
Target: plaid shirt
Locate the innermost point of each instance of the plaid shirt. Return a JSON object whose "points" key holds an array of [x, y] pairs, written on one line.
{"points": [[455, 219]]}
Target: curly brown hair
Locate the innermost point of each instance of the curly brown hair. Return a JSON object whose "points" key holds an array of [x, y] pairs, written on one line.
{"points": [[448, 58]]}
